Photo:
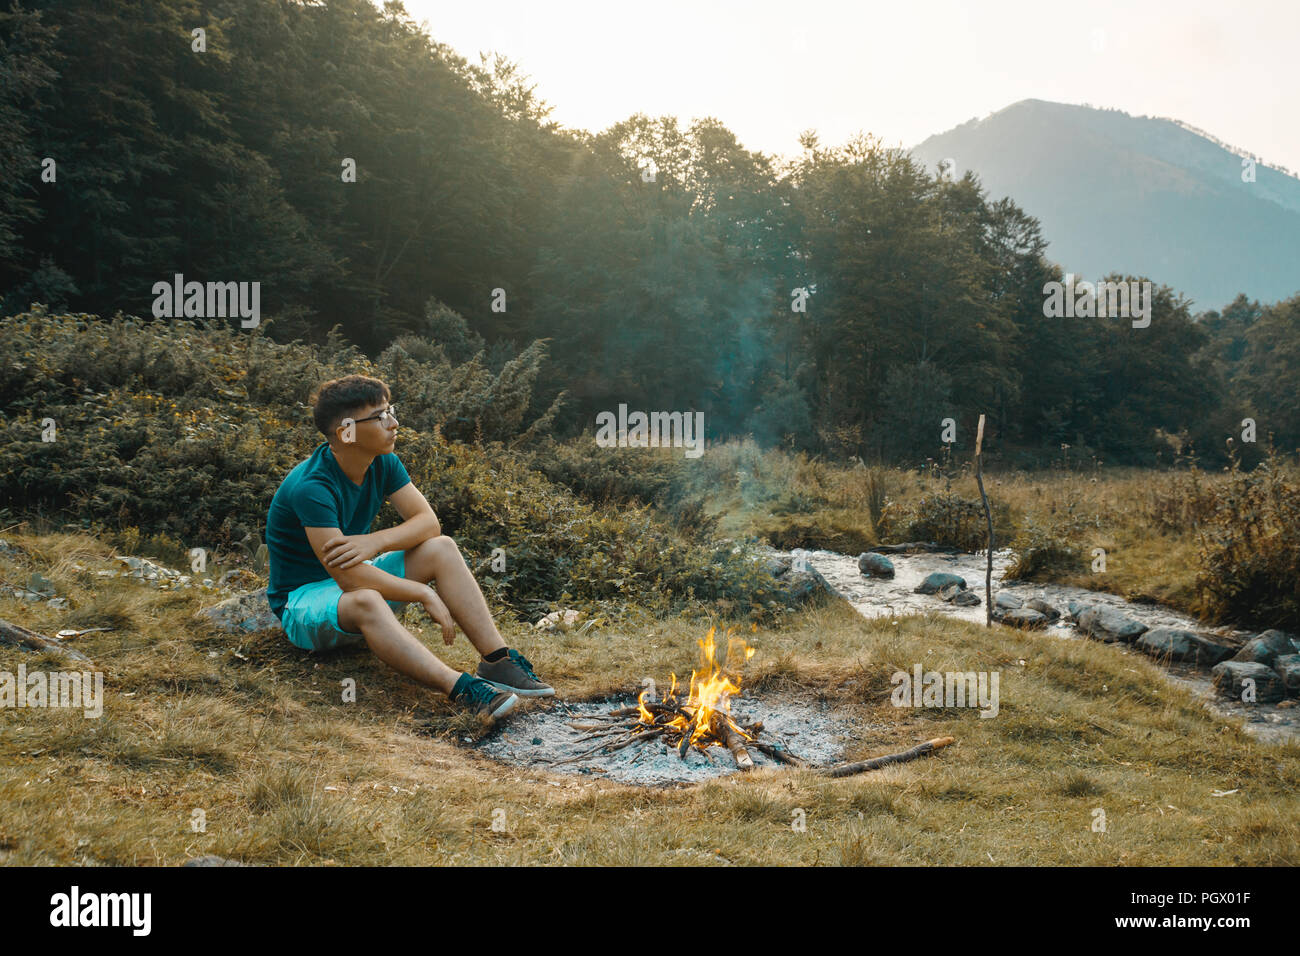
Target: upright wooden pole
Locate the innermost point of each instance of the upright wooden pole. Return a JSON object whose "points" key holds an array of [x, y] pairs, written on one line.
{"points": [[988, 516]]}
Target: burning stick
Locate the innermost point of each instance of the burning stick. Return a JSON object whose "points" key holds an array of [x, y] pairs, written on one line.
{"points": [[722, 728], [700, 717], [920, 750]]}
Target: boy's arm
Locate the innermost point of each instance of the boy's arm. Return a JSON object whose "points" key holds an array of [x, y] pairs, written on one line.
{"points": [[419, 524], [390, 586]]}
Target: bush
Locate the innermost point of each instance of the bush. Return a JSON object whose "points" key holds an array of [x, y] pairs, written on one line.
{"points": [[942, 518], [1249, 549], [614, 475], [825, 530], [1042, 551], [1182, 501], [176, 435], [633, 476]]}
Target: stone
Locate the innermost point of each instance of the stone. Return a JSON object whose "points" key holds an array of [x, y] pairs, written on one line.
{"points": [[1177, 644], [1074, 608], [1230, 677], [958, 595], [1288, 668], [58, 604], [937, 581], [802, 586], [559, 620], [144, 569], [1110, 625], [41, 585], [1006, 601], [1022, 617], [875, 565], [243, 612], [1267, 647], [966, 599], [1045, 609], [778, 564], [236, 576], [796, 587]]}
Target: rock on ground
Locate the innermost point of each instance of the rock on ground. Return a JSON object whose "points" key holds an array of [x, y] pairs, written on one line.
{"points": [[1288, 668], [797, 586], [1266, 647], [1045, 609], [1181, 645], [1006, 601], [875, 565], [960, 596], [1074, 608], [939, 580], [1025, 617], [561, 620], [1109, 625], [243, 612], [1230, 678], [1015, 611]]}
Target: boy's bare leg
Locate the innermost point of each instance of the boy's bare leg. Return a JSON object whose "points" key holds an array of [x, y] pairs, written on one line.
{"points": [[439, 560], [366, 611]]}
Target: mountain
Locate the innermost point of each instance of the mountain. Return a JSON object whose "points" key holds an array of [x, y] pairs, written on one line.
{"points": [[1136, 195]]}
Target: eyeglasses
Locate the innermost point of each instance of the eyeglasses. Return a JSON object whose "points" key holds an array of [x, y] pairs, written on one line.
{"points": [[389, 412]]}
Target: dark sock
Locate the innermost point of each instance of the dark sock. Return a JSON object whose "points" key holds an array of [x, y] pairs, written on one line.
{"points": [[496, 655], [461, 683]]}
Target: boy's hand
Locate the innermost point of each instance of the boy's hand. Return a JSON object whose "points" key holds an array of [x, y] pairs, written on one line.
{"points": [[349, 550], [434, 607]]}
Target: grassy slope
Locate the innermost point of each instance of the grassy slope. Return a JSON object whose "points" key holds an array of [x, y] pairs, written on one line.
{"points": [[253, 732]]}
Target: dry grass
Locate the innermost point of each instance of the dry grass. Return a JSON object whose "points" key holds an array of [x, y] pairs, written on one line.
{"points": [[255, 734]]}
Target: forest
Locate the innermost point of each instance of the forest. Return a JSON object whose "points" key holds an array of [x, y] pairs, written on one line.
{"points": [[371, 181]]}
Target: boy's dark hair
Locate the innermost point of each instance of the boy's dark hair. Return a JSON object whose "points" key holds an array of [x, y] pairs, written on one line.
{"points": [[342, 397]]}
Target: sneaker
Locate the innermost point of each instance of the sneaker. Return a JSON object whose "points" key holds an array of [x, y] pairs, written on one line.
{"points": [[513, 673], [484, 699]]}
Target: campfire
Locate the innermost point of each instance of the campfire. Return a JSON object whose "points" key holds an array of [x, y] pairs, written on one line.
{"points": [[698, 716]]}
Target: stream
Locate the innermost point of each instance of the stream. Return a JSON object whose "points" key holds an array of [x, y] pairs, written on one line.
{"points": [[876, 597]]}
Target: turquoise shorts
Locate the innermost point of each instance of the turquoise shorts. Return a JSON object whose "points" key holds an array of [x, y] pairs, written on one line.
{"points": [[311, 613]]}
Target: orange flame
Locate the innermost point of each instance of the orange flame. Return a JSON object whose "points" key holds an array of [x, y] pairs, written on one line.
{"points": [[710, 691]]}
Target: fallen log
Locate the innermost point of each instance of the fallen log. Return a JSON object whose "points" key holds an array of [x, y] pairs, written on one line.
{"points": [[920, 750], [20, 636]]}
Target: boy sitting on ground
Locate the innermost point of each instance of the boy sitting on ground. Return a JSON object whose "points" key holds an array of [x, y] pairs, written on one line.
{"points": [[334, 584]]}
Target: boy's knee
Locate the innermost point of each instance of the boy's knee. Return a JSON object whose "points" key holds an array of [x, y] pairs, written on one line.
{"points": [[441, 545], [366, 600]]}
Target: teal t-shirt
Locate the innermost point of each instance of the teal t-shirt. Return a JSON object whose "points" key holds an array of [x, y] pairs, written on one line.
{"points": [[317, 494]]}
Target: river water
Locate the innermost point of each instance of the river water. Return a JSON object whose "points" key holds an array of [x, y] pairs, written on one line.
{"points": [[876, 597]]}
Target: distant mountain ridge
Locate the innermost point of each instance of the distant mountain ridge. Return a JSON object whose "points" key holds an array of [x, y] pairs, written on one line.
{"points": [[1137, 195]]}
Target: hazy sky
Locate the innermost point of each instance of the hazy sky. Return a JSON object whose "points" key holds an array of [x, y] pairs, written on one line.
{"points": [[899, 70]]}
